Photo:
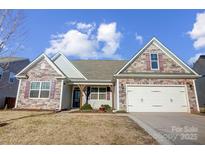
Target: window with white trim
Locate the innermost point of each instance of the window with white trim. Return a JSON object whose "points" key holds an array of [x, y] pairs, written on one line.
{"points": [[40, 89], [98, 93], [12, 77], [1, 73], [154, 61]]}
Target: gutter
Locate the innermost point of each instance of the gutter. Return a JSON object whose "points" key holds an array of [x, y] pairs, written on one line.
{"points": [[158, 76], [91, 82]]}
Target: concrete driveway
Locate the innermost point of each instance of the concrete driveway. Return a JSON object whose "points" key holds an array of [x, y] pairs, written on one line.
{"points": [[173, 128]]}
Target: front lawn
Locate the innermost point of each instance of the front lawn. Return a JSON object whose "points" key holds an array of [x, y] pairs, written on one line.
{"points": [[29, 127]]}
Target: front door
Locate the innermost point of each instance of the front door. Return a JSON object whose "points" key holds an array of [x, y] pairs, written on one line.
{"points": [[76, 98]]}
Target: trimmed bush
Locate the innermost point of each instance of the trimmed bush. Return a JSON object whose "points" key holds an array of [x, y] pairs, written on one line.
{"points": [[121, 111], [86, 107], [106, 107]]}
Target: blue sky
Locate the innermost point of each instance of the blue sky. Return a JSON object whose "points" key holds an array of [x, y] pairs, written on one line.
{"points": [[108, 34]]}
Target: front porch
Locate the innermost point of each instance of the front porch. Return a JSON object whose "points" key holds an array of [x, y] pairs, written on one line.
{"points": [[93, 94]]}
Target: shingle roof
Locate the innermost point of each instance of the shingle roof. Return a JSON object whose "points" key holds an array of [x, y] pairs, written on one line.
{"points": [[98, 69], [11, 59]]}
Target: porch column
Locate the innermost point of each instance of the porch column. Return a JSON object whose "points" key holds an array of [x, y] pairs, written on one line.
{"points": [[112, 88], [81, 87]]}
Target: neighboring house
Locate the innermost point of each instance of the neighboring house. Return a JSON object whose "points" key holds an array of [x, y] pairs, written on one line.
{"points": [[9, 67], [154, 80], [199, 67]]}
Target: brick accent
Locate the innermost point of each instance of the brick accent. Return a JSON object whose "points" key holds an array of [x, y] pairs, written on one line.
{"points": [[140, 64], [38, 73], [187, 82]]}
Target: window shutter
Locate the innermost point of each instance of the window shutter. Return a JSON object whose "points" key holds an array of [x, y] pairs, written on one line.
{"points": [[161, 68], [53, 88], [108, 93], [148, 61], [27, 89]]}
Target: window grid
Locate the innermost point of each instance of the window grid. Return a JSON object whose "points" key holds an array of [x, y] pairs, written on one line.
{"points": [[98, 93], [154, 60], [40, 89]]}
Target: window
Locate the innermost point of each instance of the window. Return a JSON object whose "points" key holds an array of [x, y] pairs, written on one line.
{"points": [[154, 61], [40, 89], [1, 73], [94, 93], [102, 93], [98, 93], [12, 77]]}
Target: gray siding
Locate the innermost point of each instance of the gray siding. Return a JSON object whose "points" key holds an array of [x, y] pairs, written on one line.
{"points": [[10, 89], [199, 67], [66, 96]]}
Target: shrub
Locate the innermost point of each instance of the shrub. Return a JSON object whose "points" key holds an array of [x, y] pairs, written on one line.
{"points": [[121, 111], [106, 107], [86, 107]]}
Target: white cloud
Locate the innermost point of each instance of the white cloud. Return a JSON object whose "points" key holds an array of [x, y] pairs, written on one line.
{"points": [[193, 59], [83, 27], [81, 42], [198, 31], [73, 43], [107, 33], [139, 38]]}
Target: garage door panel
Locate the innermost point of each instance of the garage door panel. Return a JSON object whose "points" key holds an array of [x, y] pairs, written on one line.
{"points": [[157, 99]]}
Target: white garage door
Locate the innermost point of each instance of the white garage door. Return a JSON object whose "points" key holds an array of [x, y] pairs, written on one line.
{"points": [[156, 99]]}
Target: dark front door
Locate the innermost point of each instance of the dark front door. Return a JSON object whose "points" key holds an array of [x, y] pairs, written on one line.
{"points": [[76, 98]]}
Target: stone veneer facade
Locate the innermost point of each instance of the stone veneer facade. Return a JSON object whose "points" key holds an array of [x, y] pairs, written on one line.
{"points": [[42, 71], [140, 64], [169, 66], [187, 82]]}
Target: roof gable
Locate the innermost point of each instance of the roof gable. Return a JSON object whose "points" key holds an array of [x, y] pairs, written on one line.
{"points": [[172, 57], [36, 61], [67, 67]]}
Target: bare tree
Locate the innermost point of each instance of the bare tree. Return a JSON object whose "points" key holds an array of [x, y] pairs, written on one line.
{"points": [[12, 32]]}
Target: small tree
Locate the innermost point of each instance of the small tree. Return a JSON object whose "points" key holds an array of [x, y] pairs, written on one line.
{"points": [[11, 34]]}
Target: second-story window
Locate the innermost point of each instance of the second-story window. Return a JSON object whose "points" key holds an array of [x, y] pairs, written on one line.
{"points": [[12, 77], [154, 61], [1, 73]]}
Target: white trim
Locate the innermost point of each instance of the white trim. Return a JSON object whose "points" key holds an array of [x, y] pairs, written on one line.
{"points": [[17, 96], [89, 81], [117, 98], [98, 93], [73, 87], [160, 85], [187, 98], [84, 83], [126, 98], [171, 53], [134, 57], [158, 75], [35, 61], [39, 93], [155, 85], [155, 69], [167, 50], [196, 96], [58, 54], [61, 95]]}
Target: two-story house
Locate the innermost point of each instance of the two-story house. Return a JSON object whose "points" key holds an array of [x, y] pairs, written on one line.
{"points": [[9, 67]]}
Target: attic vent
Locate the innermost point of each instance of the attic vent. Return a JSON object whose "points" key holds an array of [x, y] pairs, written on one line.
{"points": [[43, 66]]}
